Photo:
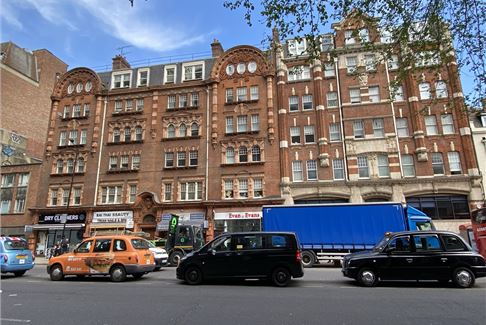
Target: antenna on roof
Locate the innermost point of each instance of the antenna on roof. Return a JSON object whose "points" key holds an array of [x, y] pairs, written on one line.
{"points": [[122, 49]]}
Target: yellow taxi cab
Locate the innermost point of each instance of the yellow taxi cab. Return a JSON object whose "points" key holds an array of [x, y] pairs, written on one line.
{"points": [[113, 255]]}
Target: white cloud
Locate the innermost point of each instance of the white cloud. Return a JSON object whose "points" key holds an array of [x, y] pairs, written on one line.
{"points": [[53, 11], [130, 25], [9, 15]]}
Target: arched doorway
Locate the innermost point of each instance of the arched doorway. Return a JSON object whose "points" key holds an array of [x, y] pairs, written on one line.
{"points": [[148, 225]]}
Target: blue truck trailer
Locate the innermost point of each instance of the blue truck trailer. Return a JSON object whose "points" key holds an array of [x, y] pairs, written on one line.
{"points": [[327, 232]]}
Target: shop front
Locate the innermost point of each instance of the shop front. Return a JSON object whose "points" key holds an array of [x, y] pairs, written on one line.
{"points": [[187, 218], [106, 222], [237, 221], [51, 228]]}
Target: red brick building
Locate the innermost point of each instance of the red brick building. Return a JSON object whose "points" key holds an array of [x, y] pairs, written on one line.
{"points": [[27, 81], [215, 139]]}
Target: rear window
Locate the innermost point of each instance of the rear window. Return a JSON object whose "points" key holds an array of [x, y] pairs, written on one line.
{"points": [[140, 243], [15, 244], [248, 242], [280, 241]]}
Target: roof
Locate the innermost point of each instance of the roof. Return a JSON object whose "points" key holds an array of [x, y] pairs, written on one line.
{"points": [[423, 232]]}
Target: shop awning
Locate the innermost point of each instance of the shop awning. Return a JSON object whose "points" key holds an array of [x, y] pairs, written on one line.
{"points": [[57, 226]]}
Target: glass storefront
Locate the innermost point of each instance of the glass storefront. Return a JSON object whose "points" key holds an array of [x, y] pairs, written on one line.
{"points": [[237, 222], [442, 207]]}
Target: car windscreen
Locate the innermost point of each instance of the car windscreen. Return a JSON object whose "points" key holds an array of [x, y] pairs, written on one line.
{"points": [[140, 243], [15, 244], [379, 247]]}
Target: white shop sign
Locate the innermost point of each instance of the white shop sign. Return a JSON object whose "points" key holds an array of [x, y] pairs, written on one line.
{"points": [[123, 218], [237, 215]]}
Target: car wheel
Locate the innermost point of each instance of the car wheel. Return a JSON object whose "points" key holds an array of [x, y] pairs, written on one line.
{"points": [[367, 277], [193, 275], [118, 273], [463, 277], [174, 258], [308, 259], [19, 273], [281, 277], [137, 275], [56, 273]]}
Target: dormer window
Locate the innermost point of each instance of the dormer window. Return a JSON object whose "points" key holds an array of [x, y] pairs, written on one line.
{"points": [[327, 43], [348, 37], [169, 74], [121, 79], [193, 71], [297, 47], [143, 78], [364, 35], [483, 120]]}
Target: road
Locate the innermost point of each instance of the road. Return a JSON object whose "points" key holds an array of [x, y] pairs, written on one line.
{"points": [[323, 296]]}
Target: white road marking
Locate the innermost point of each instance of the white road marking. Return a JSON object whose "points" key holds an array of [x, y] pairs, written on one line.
{"points": [[15, 320], [17, 304], [13, 295]]}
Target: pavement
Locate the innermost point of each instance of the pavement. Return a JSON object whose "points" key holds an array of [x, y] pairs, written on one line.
{"points": [[40, 260]]}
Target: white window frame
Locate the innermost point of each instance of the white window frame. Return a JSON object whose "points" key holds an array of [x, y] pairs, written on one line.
{"points": [[241, 94], [255, 122], [338, 167], [354, 95], [383, 166], [408, 166], [230, 155], [393, 63], [378, 127], [329, 70], [309, 130], [334, 132], [351, 64], [296, 48], [397, 94], [167, 192], [363, 167], [123, 80], [306, 100], [402, 127], [187, 189], [349, 38], [193, 65], [257, 188], [431, 125], [374, 94], [139, 77], [132, 196], [454, 162], [241, 123], [311, 170], [230, 98], [243, 188], [166, 68], [437, 162], [370, 62], [293, 103], [136, 162], [424, 90], [229, 192], [358, 129], [230, 126], [294, 133], [169, 157], [441, 89], [297, 171], [331, 101], [193, 158], [447, 124]]}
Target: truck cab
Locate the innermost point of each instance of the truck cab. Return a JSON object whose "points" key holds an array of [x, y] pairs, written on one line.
{"points": [[417, 220], [186, 239]]}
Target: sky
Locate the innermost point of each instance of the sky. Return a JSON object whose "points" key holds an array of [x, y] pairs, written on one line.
{"points": [[89, 33]]}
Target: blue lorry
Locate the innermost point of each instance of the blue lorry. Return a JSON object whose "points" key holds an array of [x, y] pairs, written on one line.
{"points": [[327, 232]]}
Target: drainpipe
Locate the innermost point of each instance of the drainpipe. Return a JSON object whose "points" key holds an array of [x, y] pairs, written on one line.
{"points": [[207, 144], [394, 119], [338, 90], [100, 151]]}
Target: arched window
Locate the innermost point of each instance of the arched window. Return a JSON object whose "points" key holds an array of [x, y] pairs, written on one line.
{"points": [[70, 166], [171, 131], [138, 133], [255, 153], [59, 166], [243, 154], [441, 89], [182, 130], [116, 135], [194, 129], [230, 155], [128, 134], [80, 165]]}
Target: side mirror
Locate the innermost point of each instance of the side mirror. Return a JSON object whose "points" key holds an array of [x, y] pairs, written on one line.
{"points": [[212, 252]]}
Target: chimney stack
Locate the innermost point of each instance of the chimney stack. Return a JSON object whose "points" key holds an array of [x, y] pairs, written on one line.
{"points": [[119, 63], [216, 49]]}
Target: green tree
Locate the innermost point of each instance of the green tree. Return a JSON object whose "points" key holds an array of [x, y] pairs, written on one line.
{"points": [[449, 30]]}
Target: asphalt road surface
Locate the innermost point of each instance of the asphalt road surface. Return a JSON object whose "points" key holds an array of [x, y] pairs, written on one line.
{"points": [[323, 296]]}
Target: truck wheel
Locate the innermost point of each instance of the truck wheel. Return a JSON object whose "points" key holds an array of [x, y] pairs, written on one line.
{"points": [[281, 277], [463, 277], [56, 273], [308, 259], [175, 257], [193, 275], [118, 273], [367, 277]]}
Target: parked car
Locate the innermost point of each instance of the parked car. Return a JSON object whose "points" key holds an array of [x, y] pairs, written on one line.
{"points": [[15, 256], [116, 256], [261, 255], [412, 255], [160, 255]]}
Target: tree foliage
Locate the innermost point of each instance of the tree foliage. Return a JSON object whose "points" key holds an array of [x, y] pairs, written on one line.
{"points": [[451, 30]]}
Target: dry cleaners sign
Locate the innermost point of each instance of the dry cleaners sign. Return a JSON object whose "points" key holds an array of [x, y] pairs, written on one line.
{"points": [[114, 218]]}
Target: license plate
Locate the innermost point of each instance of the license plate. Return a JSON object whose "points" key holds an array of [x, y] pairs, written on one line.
{"points": [[148, 261], [22, 261], [21, 256]]}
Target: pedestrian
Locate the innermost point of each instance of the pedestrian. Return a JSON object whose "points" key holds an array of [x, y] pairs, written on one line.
{"points": [[64, 245]]}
